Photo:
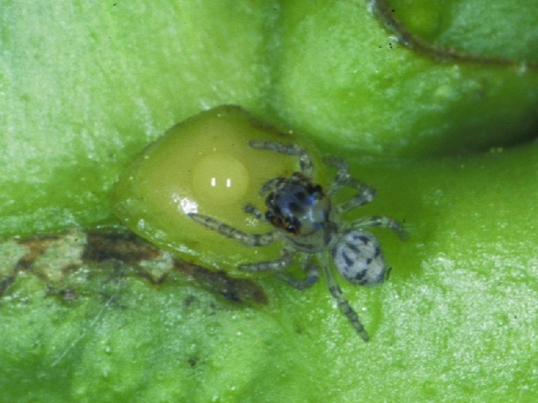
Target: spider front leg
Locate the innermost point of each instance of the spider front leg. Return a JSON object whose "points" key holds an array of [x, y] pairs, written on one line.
{"points": [[343, 178], [234, 233], [305, 160], [379, 221], [270, 186]]}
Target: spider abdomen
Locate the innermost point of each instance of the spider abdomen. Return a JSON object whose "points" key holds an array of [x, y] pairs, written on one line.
{"points": [[358, 258]]}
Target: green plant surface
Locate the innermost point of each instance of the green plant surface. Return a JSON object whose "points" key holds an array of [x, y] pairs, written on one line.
{"points": [[85, 86], [487, 28], [401, 103]]}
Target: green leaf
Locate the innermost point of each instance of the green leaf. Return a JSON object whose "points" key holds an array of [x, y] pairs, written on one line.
{"points": [[85, 86]]}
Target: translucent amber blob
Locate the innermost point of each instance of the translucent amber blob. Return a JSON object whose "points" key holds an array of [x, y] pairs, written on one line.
{"points": [[204, 165]]}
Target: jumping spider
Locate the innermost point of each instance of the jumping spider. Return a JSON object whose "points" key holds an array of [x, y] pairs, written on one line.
{"points": [[309, 224]]}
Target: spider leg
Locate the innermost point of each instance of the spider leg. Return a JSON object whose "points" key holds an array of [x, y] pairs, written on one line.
{"points": [[256, 212], [343, 178], [276, 265], [307, 166], [270, 186], [340, 298], [312, 274], [379, 221], [366, 196], [234, 233]]}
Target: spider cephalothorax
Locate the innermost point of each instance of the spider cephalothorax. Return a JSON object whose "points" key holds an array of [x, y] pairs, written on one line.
{"points": [[309, 224], [302, 210]]}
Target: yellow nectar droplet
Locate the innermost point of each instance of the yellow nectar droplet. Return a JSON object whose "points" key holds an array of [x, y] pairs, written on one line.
{"points": [[204, 165], [219, 178]]}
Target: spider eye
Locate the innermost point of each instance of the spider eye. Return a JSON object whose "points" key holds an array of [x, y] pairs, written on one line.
{"points": [[292, 226], [291, 229]]}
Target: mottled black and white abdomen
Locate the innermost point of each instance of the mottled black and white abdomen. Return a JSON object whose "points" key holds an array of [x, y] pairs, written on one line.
{"points": [[358, 258]]}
